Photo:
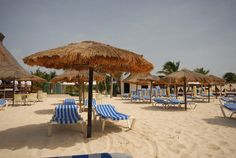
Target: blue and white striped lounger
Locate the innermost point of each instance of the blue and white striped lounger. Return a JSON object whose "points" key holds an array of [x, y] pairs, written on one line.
{"points": [[100, 155], [3, 103], [65, 114], [230, 106], [162, 101], [93, 103], [69, 101], [108, 112]]}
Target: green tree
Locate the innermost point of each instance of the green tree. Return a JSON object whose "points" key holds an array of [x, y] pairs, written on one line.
{"points": [[169, 67], [202, 71], [230, 77]]}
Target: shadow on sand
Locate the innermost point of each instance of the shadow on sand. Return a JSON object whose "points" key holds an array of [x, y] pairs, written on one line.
{"points": [[35, 136], [44, 112], [162, 108], [227, 122]]}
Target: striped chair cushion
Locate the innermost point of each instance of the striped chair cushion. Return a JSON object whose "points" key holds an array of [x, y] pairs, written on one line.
{"points": [[230, 106], [2, 102], [93, 103], [102, 155], [109, 111], [69, 101], [66, 114], [175, 101]]}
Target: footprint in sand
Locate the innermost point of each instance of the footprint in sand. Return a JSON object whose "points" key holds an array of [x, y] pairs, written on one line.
{"points": [[213, 147]]}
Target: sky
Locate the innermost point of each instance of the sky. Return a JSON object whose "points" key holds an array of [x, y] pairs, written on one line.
{"points": [[198, 33]]}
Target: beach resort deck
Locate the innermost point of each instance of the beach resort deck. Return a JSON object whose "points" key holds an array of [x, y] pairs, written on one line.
{"points": [[158, 132]]}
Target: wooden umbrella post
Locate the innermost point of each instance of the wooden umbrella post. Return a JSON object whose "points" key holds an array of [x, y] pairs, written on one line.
{"points": [[209, 93], [216, 91], [151, 92], [90, 97], [111, 92], [176, 91], [13, 100], [185, 95]]}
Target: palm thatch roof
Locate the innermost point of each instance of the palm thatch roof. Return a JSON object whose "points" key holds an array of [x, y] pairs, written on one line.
{"points": [[9, 67], [101, 57], [215, 80], [75, 76], [185, 76], [140, 78], [32, 78]]}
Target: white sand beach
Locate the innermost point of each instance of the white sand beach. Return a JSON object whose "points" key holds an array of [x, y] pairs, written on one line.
{"points": [[158, 132]]}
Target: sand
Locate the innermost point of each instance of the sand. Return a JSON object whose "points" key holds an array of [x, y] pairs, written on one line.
{"points": [[158, 132]]}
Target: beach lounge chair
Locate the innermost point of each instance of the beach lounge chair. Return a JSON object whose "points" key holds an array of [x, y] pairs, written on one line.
{"points": [[69, 101], [125, 96], [163, 91], [93, 103], [98, 155], [146, 97], [108, 112], [65, 115], [174, 101], [3, 103], [136, 97], [162, 101], [230, 106]]}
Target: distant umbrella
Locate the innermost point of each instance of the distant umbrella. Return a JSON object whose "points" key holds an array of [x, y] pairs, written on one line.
{"points": [[184, 76], [215, 80], [32, 78], [75, 76], [93, 56]]}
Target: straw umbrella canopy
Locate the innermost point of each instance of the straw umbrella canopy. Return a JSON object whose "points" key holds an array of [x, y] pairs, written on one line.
{"points": [[93, 56], [215, 80], [10, 69], [32, 78], [184, 76], [141, 78], [75, 76]]}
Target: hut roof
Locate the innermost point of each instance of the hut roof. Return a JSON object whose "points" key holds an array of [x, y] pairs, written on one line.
{"points": [[140, 78], [215, 80], [9, 67]]}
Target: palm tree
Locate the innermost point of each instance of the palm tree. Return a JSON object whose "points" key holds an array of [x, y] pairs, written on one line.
{"points": [[202, 71], [230, 77], [169, 67]]}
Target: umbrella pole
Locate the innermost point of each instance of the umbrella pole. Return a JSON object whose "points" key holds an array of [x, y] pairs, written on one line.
{"points": [[220, 90], [208, 93], [176, 91], [83, 91], [185, 97], [90, 97], [111, 92], [13, 100], [216, 91], [151, 92]]}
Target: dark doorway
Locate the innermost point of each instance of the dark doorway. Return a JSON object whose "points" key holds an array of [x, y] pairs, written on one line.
{"points": [[144, 86], [126, 88]]}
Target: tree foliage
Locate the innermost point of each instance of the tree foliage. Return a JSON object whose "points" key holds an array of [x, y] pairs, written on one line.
{"points": [[169, 67], [230, 77], [202, 71]]}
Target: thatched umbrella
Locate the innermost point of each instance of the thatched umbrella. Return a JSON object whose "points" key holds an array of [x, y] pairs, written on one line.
{"points": [[32, 78], [77, 76], [215, 80], [184, 76], [142, 79], [10, 69], [93, 56]]}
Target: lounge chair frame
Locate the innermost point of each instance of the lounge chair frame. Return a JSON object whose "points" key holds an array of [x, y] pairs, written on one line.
{"points": [[222, 107]]}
